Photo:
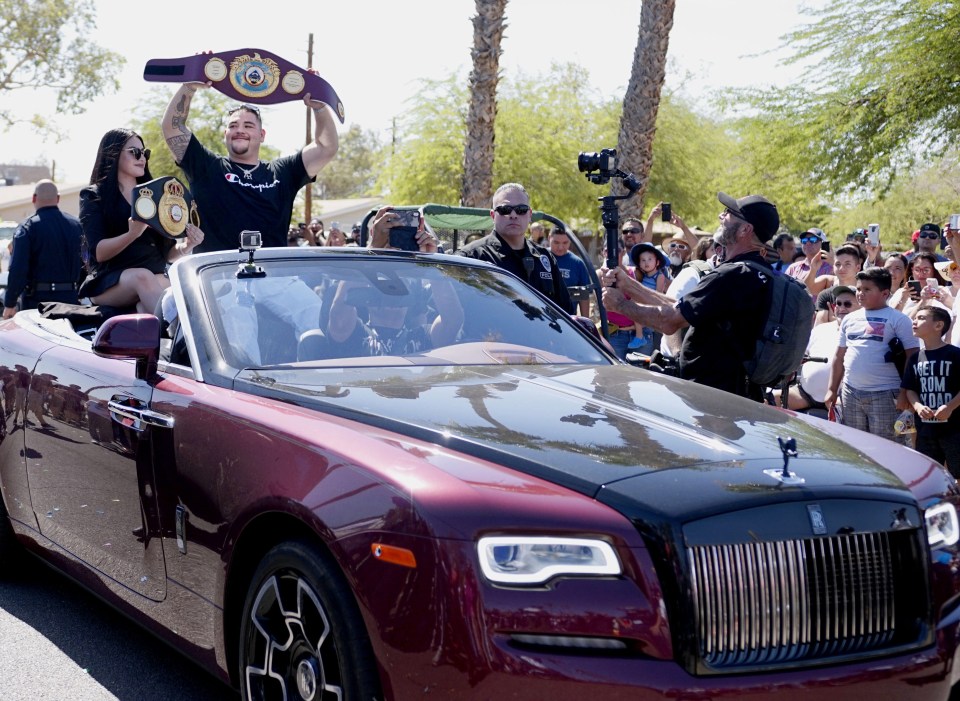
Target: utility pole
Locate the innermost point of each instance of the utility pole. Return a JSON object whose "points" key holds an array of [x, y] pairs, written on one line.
{"points": [[308, 197]]}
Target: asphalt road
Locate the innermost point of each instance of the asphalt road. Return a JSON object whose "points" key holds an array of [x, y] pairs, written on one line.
{"points": [[59, 642]]}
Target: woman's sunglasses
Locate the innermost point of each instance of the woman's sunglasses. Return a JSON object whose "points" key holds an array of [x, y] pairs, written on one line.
{"points": [[138, 152]]}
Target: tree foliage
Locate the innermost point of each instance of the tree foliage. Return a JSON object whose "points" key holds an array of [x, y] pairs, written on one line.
{"points": [[543, 123], [45, 44], [930, 194], [354, 171], [883, 91], [537, 141], [691, 163]]}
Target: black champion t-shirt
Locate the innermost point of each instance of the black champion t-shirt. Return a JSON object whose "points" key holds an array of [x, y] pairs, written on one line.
{"points": [[229, 202]]}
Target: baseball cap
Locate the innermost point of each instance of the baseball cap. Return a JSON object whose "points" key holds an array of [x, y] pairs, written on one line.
{"points": [[814, 231], [756, 209], [930, 227], [842, 289]]}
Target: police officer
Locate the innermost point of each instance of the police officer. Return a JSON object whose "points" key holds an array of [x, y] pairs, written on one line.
{"points": [[508, 248], [46, 265]]}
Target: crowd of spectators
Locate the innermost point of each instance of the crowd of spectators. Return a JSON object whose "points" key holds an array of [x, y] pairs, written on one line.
{"points": [[884, 336]]}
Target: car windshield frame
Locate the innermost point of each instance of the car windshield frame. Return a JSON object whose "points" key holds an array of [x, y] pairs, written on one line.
{"points": [[291, 299]]}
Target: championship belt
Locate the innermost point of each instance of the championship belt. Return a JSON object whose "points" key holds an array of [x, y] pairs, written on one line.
{"points": [[165, 205], [247, 75]]}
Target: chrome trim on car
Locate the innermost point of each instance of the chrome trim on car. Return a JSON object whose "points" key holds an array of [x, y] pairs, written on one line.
{"points": [[185, 325], [772, 602], [139, 416]]}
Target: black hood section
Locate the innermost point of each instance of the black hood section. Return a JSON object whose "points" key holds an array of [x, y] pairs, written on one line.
{"points": [[642, 442]]}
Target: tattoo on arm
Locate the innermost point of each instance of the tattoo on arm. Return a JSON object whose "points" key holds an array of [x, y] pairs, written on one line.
{"points": [[178, 145], [181, 112]]}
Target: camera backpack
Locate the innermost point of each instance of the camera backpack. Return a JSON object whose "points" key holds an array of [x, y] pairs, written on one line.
{"points": [[786, 332]]}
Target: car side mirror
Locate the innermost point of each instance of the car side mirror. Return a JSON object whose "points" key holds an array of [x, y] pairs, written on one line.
{"points": [[131, 336]]}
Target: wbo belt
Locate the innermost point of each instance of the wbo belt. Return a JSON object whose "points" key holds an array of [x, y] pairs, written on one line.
{"points": [[52, 287]]}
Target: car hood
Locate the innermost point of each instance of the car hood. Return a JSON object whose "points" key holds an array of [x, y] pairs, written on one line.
{"points": [[616, 433]]}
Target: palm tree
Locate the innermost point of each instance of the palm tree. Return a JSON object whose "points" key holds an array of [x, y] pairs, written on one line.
{"points": [[638, 124], [488, 25]]}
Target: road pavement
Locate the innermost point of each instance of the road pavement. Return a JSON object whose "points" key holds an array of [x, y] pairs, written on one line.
{"points": [[59, 642]]}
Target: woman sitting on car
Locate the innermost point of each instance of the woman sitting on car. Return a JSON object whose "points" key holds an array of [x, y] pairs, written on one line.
{"points": [[126, 260]]}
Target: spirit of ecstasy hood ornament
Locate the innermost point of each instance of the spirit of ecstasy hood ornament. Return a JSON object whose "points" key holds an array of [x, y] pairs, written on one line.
{"points": [[789, 449]]}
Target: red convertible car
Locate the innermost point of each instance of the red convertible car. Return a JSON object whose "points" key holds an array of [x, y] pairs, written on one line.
{"points": [[355, 474]]}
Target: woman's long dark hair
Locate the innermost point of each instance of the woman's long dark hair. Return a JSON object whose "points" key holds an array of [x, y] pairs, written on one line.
{"points": [[105, 169]]}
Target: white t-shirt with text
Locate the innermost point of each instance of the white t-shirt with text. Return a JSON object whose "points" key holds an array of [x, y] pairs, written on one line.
{"points": [[866, 334]]}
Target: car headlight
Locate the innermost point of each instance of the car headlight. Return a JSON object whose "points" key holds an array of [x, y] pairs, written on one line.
{"points": [[942, 524], [534, 560]]}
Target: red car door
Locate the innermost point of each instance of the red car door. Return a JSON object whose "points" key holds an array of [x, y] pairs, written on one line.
{"points": [[88, 449]]}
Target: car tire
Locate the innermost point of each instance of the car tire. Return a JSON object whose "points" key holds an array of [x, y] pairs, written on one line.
{"points": [[302, 636]]}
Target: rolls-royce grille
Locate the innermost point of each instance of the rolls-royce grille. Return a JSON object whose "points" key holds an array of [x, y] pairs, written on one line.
{"points": [[773, 602]]}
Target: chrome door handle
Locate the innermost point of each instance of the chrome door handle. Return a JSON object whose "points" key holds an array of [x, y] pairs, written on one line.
{"points": [[119, 411]]}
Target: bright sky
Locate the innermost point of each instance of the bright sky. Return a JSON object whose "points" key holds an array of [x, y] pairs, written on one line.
{"points": [[374, 52]]}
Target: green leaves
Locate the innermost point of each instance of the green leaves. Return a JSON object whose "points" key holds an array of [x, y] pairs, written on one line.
{"points": [[43, 44]]}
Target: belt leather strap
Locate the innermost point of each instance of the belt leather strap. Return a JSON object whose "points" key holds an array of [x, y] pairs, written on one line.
{"points": [[246, 75], [53, 287]]}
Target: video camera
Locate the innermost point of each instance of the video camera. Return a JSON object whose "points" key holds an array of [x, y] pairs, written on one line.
{"points": [[605, 162], [599, 169]]}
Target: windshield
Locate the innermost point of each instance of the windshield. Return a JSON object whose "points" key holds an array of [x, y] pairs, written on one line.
{"points": [[377, 311]]}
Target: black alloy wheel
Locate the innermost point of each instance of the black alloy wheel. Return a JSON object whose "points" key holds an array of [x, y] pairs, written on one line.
{"points": [[302, 637]]}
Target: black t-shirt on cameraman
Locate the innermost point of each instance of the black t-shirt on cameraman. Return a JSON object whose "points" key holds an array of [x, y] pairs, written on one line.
{"points": [[726, 312]]}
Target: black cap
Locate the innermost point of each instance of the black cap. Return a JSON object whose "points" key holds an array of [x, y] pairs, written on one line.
{"points": [[756, 209], [930, 227]]}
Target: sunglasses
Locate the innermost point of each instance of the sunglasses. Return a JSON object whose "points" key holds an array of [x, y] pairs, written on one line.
{"points": [[508, 209], [809, 239], [138, 152], [929, 235], [681, 246], [736, 215], [631, 230], [248, 108], [846, 304]]}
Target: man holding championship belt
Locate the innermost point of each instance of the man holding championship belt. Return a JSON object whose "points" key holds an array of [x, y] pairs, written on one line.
{"points": [[241, 191]]}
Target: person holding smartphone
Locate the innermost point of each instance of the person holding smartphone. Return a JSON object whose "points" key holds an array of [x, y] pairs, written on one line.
{"points": [[401, 230], [814, 261]]}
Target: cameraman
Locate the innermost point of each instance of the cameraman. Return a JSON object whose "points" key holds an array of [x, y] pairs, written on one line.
{"points": [[726, 310]]}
